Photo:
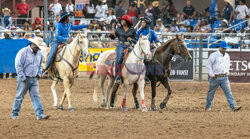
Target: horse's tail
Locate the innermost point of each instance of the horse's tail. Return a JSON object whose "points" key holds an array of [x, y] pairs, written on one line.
{"points": [[91, 75]]}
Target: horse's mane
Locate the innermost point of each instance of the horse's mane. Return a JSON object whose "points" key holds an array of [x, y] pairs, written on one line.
{"points": [[163, 47]]}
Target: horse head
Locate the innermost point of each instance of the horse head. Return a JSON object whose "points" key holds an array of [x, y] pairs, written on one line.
{"points": [[82, 42], [180, 48], [144, 44]]}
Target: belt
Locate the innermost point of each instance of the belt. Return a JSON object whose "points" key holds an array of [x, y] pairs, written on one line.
{"points": [[30, 77], [220, 75]]}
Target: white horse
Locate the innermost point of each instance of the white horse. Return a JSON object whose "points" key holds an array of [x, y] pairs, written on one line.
{"points": [[68, 68], [130, 75]]}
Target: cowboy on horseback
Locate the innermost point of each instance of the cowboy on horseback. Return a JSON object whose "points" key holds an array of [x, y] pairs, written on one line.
{"points": [[124, 33], [145, 30], [61, 36]]}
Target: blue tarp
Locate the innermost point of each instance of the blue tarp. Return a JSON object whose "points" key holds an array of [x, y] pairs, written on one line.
{"points": [[8, 51]]}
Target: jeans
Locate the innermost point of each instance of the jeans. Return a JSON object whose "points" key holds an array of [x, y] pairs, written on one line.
{"points": [[32, 85], [223, 82], [52, 54], [119, 57]]}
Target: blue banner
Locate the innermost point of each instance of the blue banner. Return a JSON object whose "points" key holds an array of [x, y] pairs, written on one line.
{"points": [[8, 50]]}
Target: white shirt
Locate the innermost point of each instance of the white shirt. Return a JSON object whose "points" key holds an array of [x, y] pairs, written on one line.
{"points": [[101, 11], [243, 11], [69, 8], [56, 8], [91, 9], [218, 64], [110, 18]]}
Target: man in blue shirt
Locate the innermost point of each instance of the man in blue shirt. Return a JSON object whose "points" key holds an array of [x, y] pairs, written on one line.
{"points": [[145, 30], [28, 64], [228, 12], [61, 36], [213, 12]]}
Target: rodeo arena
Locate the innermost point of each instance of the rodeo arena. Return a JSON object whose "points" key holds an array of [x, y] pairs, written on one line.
{"points": [[125, 68]]}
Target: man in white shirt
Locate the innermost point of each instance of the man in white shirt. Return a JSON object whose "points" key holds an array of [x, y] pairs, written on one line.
{"points": [[241, 10], [101, 10], [218, 65], [55, 7]]}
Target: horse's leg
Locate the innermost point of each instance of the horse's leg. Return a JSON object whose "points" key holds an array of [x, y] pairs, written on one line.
{"points": [[110, 84], [141, 84], [113, 95], [95, 89], [60, 107], [124, 108], [134, 91], [153, 89], [67, 85], [53, 89], [166, 85], [101, 85]]}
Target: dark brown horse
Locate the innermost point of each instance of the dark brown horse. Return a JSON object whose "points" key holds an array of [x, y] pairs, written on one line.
{"points": [[158, 69]]}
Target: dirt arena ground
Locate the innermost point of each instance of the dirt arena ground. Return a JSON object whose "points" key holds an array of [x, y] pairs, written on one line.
{"points": [[184, 116]]}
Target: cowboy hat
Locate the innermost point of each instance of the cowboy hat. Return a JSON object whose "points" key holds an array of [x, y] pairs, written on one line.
{"points": [[231, 2], [38, 33], [37, 41], [5, 9], [127, 18], [155, 4], [64, 14], [225, 21], [104, 1]]}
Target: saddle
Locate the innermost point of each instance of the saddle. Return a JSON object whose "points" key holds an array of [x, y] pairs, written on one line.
{"points": [[111, 59], [60, 52]]}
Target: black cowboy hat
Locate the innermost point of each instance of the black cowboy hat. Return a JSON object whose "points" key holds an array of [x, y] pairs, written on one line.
{"points": [[146, 19]]}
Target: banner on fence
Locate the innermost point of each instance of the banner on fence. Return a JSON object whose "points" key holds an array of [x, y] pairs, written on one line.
{"points": [[94, 53], [181, 70], [8, 51], [239, 66]]}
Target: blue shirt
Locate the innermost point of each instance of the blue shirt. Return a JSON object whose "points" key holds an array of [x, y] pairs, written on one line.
{"points": [[227, 12], [213, 9], [62, 30], [28, 64], [152, 37]]}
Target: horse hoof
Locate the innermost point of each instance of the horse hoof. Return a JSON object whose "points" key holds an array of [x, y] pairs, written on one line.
{"points": [[71, 109], [112, 105], [103, 105], [60, 108], [163, 105], [154, 109], [144, 109], [137, 106], [124, 109], [107, 108]]}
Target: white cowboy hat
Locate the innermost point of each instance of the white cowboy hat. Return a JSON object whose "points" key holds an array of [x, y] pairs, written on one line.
{"points": [[38, 33], [231, 2], [225, 20], [37, 41], [104, 1], [5, 9]]}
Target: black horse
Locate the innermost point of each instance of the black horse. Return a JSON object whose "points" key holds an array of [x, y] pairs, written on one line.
{"points": [[158, 70]]}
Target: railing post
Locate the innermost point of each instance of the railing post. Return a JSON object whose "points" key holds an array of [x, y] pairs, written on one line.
{"points": [[46, 33], [200, 57]]}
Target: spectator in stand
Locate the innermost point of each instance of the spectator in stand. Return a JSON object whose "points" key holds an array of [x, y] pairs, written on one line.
{"points": [[101, 26], [90, 10], [171, 8], [57, 20], [51, 19], [101, 9], [241, 10], [7, 19], [213, 12], [158, 29], [159, 22], [26, 26], [228, 11], [111, 16], [113, 25], [23, 9], [56, 7], [149, 13], [203, 27], [133, 12], [182, 28], [85, 10], [38, 24], [70, 8], [20, 34], [189, 11], [156, 11], [173, 26], [119, 9]]}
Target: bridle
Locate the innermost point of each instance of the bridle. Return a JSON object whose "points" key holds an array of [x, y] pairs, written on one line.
{"points": [[141, 58]]}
